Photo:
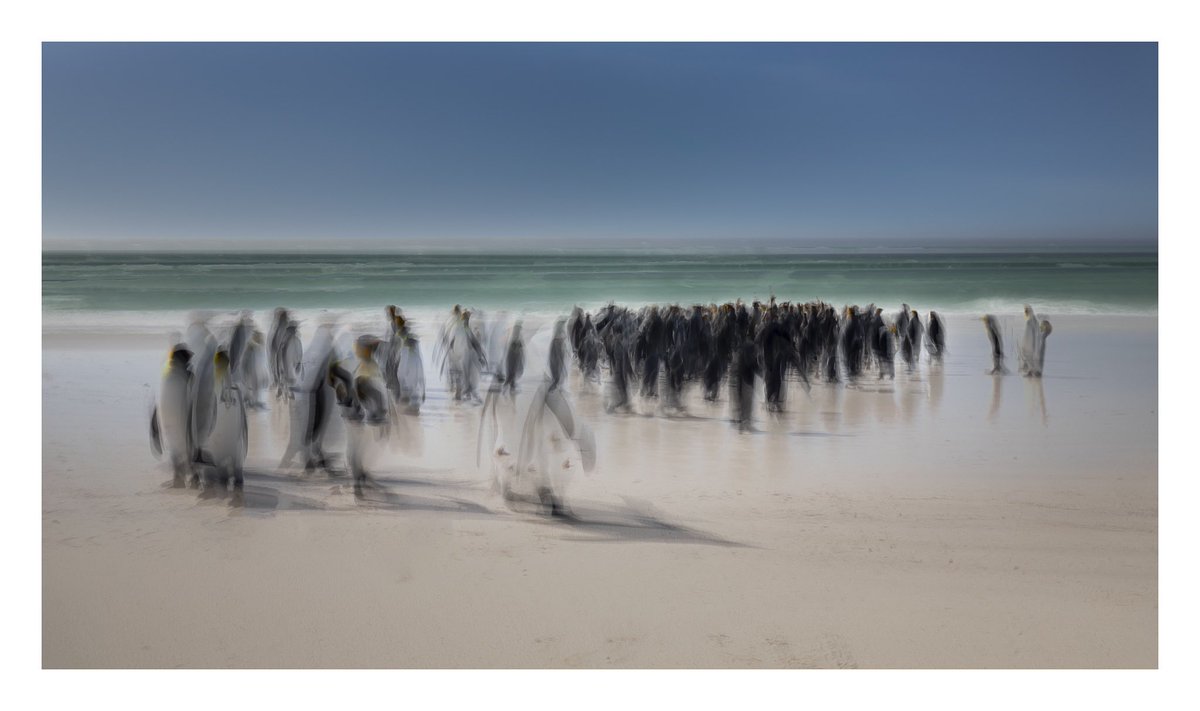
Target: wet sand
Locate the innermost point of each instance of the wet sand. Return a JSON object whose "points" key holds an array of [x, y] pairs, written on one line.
{"points": [[948, 519]]}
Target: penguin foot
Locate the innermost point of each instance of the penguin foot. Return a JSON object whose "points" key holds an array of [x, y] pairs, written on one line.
{"points": [[550, 501]]}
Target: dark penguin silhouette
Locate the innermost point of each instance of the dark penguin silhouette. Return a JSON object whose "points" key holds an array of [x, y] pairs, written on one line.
{"points": [[935, 337], [745, 369], [992, 327]]}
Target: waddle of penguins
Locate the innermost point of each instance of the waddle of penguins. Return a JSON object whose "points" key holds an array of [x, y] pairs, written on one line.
{"points": [[529, 433]]}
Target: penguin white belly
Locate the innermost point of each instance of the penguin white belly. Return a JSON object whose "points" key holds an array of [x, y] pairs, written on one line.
{"points": [[227, 443], [173, 410]]}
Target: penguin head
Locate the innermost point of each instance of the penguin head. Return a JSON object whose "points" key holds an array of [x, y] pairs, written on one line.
{"points": [[179, 356], [365, 347], [221, 363]]}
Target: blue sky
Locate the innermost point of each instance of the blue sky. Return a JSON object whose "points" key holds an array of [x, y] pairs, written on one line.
{"points": [[586, 144]]}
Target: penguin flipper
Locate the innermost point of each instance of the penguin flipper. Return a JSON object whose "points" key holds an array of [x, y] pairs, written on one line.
{"points": [[155, 435], [558, 405]]}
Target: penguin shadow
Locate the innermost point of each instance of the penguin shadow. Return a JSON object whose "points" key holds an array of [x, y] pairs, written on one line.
{"points": [[323, 478], [684, 415], [799, 433], [377, 495], [252, 497], [634, 522]]}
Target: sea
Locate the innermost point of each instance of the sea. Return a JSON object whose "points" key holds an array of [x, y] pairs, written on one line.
{"points": [[94, 287]]}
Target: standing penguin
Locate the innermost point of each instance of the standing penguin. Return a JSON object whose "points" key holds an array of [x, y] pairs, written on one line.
{"points": [[312, 404], [992, 326], [254, 371], [227, 444], [171, 421], [1027, 355], [589, 351], [367, 413], [746, 369], [883, 346], [411, 375], [203, 393], [279, 322], [548, 423], [514, 360], [558, 355], [912, 341], [289, 358], [935, 337], [463, 357], [1040, 362]]}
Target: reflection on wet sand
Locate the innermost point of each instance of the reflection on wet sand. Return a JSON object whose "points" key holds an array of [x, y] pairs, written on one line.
{"points": [[997, 391], [1037, 398]]}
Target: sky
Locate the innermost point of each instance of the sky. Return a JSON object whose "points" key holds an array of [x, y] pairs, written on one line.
{"points": [[500, 145]]}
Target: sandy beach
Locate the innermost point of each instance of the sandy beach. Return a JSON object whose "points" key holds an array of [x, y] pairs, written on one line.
{"points": [[949, 519]]}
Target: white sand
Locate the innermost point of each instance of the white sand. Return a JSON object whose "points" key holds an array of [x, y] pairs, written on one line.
{"points": [[941, 522]]}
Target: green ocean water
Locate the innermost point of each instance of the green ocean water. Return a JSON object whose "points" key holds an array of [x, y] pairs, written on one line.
{"points": [[968, 283]]}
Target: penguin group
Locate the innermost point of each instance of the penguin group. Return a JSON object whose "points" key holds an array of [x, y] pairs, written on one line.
{"points": [[659, 349], [210, 381], [199, 422], [373, 386], [1031, 353]]}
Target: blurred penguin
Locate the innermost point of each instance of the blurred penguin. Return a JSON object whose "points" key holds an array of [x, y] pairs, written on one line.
{"points": [[203, 397], [1028, 353], [549, 431], [935, 337], [992, 327], [1040, 361], [312, 404], [367, 412], [225, 449], [411, 375], [171, 421]]}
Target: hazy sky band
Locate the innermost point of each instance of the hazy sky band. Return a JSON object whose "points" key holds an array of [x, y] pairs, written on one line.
{"points": [[388, 144]]}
